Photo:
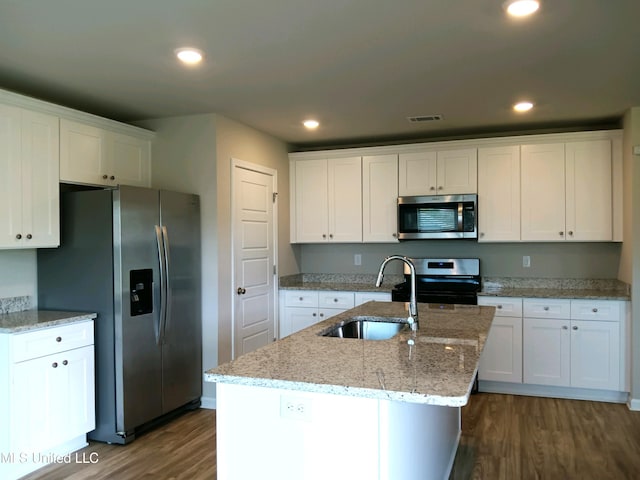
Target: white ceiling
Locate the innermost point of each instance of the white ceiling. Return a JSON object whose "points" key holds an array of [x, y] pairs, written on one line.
{"points": [[359, 66]]}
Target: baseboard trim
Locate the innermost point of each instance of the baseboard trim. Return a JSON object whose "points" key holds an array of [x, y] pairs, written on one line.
{"points": [[208, 402], [634, 404], [554, 392]]}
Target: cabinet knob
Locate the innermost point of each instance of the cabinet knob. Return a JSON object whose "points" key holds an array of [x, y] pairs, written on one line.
{"points": [[29, 236], [575, 327], [482, 234], [300, 298], [324, 235], [564, 327], [546, 309], [570, 232], [112, 177], [331, 235], [58, 339], [561, 234], [65, 362], [54, 364], [335, 300], [322, 314], [432, 188], [314, 314], [594, 310], [18, 236], [394, 235], [440, 187], [499, 307], [104, 177]]}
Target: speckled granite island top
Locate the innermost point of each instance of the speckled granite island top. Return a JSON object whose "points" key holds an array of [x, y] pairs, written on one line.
{"points": [[438, 369], [18, 322]]}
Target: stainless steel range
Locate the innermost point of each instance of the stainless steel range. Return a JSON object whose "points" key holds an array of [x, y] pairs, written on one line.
{"points": [[442, 280]]}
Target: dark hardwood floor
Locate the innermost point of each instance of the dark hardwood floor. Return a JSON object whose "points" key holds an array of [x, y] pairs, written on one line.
{"points": [[503, 437]]}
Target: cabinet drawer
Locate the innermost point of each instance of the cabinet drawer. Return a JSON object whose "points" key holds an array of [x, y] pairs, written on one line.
{"points": [[301, 298], [595, 310], [546, 308], [505, 306], [43, 342], [343, 300]]}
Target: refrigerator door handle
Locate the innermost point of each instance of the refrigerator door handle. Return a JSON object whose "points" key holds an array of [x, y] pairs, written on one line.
{"points": [[167, 282], [163, 287]]}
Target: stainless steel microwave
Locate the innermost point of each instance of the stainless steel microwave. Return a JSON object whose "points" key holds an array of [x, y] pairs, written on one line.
{"points": [[437, 216]]}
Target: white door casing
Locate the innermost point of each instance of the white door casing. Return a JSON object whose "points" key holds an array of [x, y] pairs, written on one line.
{"points": [[254, 241]]}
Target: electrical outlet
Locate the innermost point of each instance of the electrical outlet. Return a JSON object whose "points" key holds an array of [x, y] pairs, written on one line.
{"points": [[526, 261], [295, 408], [357, 259]]}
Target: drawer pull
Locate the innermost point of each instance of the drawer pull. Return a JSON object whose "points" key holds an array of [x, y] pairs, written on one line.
{"points": [[322, 314], [54, 364], [58, 339], [546, 309], [314, 314], [335, 300], [594, 310], [65, 362], [564, 327], [499, 307], [575, 327], [300, 299]]}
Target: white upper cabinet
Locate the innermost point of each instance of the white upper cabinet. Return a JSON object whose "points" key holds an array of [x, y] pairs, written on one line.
{"points": [[96, 156], [327, 197], [499, 194], [380, 198], [567, 191], [29, 163], [438, 172]]}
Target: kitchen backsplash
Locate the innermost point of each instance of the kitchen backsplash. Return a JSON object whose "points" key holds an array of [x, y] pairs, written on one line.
{"points": [[15, 304]]}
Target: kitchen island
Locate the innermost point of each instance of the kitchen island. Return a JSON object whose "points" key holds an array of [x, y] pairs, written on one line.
{"points": [[310, 406]]}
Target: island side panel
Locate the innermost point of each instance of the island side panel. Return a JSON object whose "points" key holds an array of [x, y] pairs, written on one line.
{"points": [[418, 441], [294, 435]]}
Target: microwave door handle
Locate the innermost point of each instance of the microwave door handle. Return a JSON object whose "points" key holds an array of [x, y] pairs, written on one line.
{"points": [[460, 216]]}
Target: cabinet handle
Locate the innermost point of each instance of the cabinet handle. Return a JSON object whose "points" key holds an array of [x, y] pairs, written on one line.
{"points": [[65, 362], [54, 364], [58, 339], [564, 327], [561, 234], [18, 236], [29, 236], [546, 309], [241, 291], [575, 327], [104, 177], [594, 310]]}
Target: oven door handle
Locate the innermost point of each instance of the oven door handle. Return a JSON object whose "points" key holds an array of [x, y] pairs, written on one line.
{"points": [[460, 216]]}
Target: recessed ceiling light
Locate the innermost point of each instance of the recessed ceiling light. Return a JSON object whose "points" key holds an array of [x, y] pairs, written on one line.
{"points": [[521, 107], [311, 124], [189, 56], [522, 8]]}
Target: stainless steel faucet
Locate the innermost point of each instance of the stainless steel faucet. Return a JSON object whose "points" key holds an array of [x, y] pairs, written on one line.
{"points": [[413, 303]]}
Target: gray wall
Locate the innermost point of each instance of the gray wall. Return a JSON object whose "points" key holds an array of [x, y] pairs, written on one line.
{"points": [[18, 274], [548, 260]]}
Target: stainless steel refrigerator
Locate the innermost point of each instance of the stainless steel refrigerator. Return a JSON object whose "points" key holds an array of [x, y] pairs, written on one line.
{"points": [[133, 256]]}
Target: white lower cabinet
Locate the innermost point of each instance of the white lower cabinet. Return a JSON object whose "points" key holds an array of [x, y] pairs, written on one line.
{"points": [[302, 308], [501, 358], [566, 349], [49, 405]]}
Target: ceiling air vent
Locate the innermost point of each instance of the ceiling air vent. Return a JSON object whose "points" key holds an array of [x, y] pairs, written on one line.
{"points": [[425, 118]]}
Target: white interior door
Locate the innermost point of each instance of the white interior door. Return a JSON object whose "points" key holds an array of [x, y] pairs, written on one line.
{"points": [[254, 256]]}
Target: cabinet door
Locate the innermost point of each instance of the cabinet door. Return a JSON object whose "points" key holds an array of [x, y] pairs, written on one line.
{"points": [[543, 196], [499, 194], [417, 173], [40, 180], [595, 357], [130, 160], [588, 191], [83, 154], [380, 199], [297, 318], [10, 177], [345, 199], [546, 351], [457, 171], [312, 203], [53, 399], [501, 358]]}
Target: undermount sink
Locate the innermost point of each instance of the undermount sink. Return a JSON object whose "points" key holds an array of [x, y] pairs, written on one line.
{"points": [[365, 329]]}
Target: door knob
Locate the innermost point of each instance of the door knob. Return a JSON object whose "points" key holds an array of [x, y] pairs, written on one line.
{"points": [[241, 291]]}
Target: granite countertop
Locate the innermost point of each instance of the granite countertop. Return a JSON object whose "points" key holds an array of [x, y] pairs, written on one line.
{"points": [[569, 288], [438, 369], [338, 282], [19, 322]]}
